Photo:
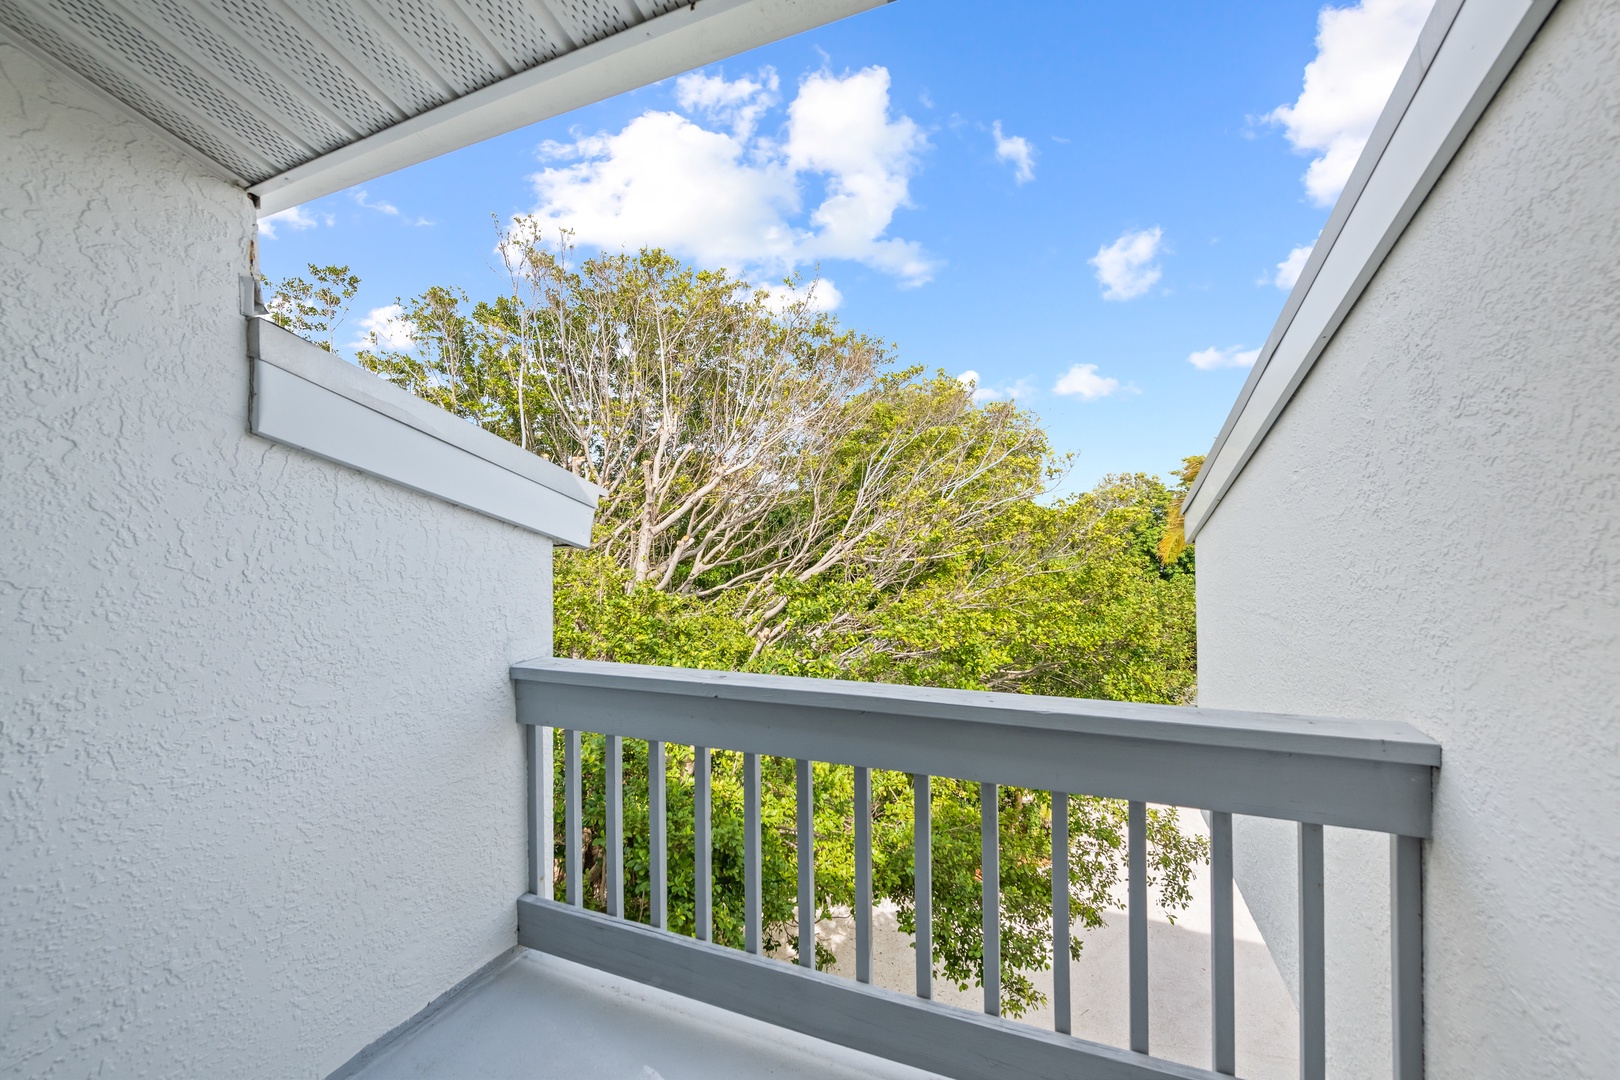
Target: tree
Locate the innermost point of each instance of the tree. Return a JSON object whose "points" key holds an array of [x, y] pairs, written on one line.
{"points": [[314, 308], [1173, 545], [743, 448], [1097, 827], [779, 496]]}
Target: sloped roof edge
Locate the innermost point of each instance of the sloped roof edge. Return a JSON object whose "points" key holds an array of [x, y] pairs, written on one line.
{"points": [[295, 99], [685, 38], [1463, 55], [311, 400]]}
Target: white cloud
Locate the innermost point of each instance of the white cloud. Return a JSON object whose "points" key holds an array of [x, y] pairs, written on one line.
{"points": [[1360, 51], [1289, 269], [666, 182], [385, 327], [740, 103], [294, 217], [382, 206], [1126, 268], [1082, 381], [552, 150], [379, 205], [1233, 356], [982, 393], [840, 128], [733, 199], [1017, 150], [818, 295]]}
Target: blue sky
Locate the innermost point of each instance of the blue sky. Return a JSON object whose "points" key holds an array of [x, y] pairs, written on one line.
{"points": [[1089, 206]]}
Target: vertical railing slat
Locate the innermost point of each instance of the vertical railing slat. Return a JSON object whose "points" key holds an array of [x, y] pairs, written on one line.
{"points": [[1062, 1011], [922, 894], [573, 820], [1137, 860], [613, 842], [1312, 956], [542, 813], [657, 836], [990, 894], [1223, 1018], [863, 874], [1406, 953], [804, 792], [753, 937], [702, 848]]}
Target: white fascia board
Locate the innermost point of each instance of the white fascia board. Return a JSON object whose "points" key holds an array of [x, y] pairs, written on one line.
{"points": [[1463, 55], [309, 399], [688, 37]]}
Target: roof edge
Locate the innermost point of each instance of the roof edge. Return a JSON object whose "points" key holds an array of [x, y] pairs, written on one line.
{"points": [[311, 400], [680, 40], [1463, 55]]}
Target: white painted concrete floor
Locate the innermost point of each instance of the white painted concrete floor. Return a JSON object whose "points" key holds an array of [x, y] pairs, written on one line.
{"points": [[541, 1017], [1178, 980]]}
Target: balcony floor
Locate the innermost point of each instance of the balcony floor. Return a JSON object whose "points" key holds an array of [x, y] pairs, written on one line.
{"points": [[541, 1017]]}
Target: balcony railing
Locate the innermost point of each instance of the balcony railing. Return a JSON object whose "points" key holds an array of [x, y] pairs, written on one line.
{"points": [[1355, 774]]}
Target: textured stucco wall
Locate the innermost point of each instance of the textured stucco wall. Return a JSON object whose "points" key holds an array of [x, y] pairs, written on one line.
{"points": [[262, 789], [1431, 533]]}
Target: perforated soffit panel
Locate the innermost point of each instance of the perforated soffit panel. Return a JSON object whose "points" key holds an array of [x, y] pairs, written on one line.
{"points": [[261, 87]]}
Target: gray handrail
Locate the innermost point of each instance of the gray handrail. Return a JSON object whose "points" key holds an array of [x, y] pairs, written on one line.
{"points": [[1357, 773], [1362, 774]]}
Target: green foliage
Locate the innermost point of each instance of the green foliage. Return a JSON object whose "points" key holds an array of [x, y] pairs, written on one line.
{"points": [[1174, 551], [1106, 622], [1067, 599], [601, 615], [1097, 827], [779, 498], [314, 308]]}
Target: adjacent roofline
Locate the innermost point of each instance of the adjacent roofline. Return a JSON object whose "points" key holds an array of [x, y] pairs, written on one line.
{"points": [[309, 399], [1463, 55], [688, 37]]}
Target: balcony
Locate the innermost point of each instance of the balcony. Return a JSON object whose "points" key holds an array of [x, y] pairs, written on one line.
{"points": [[703, 1009]]}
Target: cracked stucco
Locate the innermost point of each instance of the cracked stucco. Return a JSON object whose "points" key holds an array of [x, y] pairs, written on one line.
{"points": [[261, 784], [1431, 533]]}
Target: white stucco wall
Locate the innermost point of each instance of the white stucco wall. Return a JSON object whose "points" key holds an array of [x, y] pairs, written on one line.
{"points": [[1431, 533], [262, 788]]}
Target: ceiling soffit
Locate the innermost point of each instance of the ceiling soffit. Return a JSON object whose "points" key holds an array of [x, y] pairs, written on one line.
{"points": [[262, 87]]}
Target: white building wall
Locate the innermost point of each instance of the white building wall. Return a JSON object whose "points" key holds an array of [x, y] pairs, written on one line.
{"points": [[1431, 533], [262, 787]]}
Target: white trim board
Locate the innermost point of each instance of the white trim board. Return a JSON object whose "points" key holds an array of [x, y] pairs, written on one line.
{"points": [[1463, 55], [688, 37], [306, 398]]}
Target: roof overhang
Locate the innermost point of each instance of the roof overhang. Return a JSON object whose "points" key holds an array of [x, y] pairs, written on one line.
{"points": [[314, 401], [295, 99], [1463, 55]]}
